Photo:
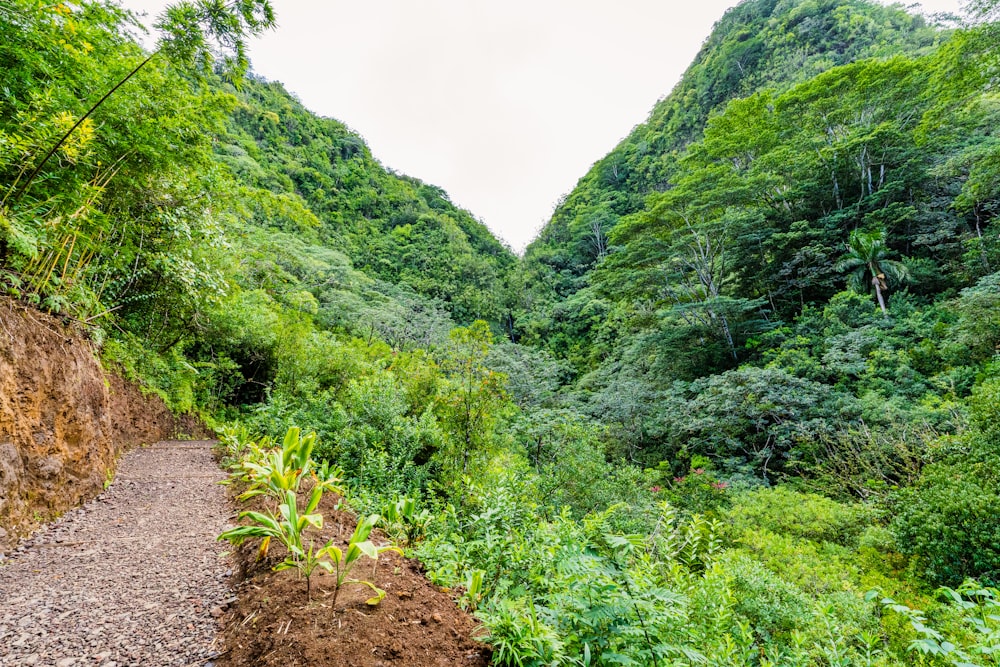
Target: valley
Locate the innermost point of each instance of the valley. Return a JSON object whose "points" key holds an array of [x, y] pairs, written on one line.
{"points": [[737, 404]]}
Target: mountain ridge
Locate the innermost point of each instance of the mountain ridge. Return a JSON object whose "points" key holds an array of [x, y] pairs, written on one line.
{"points": [[757, 44]]}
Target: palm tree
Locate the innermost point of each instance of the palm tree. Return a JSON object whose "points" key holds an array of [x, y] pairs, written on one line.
{"points": [[867, 260]]}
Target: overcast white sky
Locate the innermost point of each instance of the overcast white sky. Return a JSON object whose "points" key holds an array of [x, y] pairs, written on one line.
{"points": [[505, 104]]}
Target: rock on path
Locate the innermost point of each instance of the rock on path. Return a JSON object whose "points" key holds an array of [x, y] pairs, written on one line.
{"points": [[134, 577]]}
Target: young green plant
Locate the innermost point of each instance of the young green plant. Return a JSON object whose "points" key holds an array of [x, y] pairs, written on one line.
{"points": [[288, 527], [340, 562], [404, 522], [282, 469]]}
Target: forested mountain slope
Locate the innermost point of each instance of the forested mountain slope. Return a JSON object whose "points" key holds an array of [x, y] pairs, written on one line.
{"points": [[757, 45], [732, 262], [314, 178], [778, 263], [186, 218]]}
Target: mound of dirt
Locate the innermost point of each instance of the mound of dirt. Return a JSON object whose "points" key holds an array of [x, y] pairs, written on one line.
{"points": [[63, 421], [273, 624]]}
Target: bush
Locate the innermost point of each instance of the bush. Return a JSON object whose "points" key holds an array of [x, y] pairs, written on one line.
{"points": [[698, 492], [385, 448], [771, 605], [757, 421], [949, 518], [803, 515], [816, 568]]}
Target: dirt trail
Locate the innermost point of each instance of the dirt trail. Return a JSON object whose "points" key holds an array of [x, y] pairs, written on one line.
{"points": [[134, 577]]}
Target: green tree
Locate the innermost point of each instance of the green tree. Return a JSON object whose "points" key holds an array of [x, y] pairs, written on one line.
{"points": [[868, 261], [759, 420], [192, 31], [472, 397]]}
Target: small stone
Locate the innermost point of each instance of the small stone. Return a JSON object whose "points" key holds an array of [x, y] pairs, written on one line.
{"points": [[437, 618], [67, 662], [217, 612], [31, 660]]}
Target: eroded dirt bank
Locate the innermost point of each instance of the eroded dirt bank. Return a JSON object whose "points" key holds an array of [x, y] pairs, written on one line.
{"points": [[63, 420]]}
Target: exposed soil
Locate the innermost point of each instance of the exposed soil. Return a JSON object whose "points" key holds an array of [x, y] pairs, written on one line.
{"points": [[63, 421], [134, 577], [416, 625]]}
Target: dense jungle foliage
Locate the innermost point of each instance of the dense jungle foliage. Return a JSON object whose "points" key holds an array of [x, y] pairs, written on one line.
{"points": [[737, 405]]}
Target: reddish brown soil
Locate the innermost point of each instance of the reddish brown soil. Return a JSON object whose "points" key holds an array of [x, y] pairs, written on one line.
{"points": [[416, 625], [63, 421]]}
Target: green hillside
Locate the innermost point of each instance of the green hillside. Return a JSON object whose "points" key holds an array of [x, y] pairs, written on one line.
{"points": [[757, 45], [394, 228], [738, 404], [228, 210]]}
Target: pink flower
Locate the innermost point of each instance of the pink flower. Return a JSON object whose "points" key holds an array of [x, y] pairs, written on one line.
{"points": [[719, 485], [656, 489], [678, 480], [699, 471]]}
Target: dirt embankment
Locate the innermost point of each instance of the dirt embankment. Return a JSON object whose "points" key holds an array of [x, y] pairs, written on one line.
{"points": [[63, 420]]}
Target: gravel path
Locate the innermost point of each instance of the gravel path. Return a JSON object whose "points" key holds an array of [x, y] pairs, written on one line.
{"points": [[134, 577]]}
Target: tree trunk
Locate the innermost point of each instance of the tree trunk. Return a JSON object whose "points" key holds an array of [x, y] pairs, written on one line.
{"points": [[878, 293], [729, 337], [982, 248]]}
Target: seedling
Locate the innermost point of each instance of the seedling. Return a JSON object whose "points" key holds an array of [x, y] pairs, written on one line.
{"points": [[404, 522], [277, 471], [341, 562], [237, 445], [288, 528], [473, 590]]}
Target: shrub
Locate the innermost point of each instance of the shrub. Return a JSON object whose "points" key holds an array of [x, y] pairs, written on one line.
{"points": [[979, 641], [698, 492], [949, 520], [772, 606], [803, 515], [816, 568]]}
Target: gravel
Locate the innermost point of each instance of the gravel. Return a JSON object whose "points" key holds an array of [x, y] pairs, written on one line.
{"points": [[134, 577]]}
